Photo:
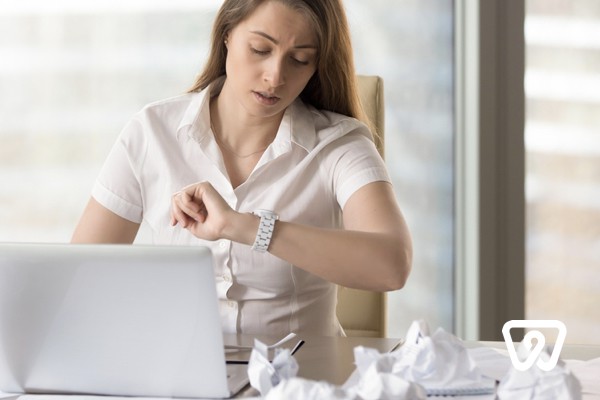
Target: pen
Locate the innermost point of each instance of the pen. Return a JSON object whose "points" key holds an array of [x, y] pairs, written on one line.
{"points": [[397, 345], [297, 346]]}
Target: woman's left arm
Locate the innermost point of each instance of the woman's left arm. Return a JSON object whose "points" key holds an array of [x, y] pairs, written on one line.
{"points": [[372, 252]]}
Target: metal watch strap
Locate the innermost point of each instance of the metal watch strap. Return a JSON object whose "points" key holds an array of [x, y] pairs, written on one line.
{"points": [[265, 230]]}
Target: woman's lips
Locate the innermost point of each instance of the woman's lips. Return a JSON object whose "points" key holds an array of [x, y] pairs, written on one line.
{"points": [[265, 98]]}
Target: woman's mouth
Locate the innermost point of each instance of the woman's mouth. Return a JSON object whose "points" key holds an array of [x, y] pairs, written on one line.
{"points": [[265, 99]]}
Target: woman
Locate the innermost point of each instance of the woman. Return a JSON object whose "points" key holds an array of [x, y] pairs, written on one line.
{"points": [[269, 168]]}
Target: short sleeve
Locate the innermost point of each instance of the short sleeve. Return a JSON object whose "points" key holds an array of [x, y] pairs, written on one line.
{"points": [[353, 162], [118, 186]]}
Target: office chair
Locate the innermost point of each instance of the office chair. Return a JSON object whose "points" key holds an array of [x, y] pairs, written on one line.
{"points": [[361, 312]]}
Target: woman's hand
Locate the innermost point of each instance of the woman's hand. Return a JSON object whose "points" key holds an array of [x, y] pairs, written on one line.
{"points": [[200, 209]]}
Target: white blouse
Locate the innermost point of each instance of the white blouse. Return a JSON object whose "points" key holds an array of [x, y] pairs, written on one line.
{"points": [[316, 162]]}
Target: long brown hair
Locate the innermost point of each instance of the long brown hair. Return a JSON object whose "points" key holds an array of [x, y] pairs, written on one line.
{"points": [[333, 86]]}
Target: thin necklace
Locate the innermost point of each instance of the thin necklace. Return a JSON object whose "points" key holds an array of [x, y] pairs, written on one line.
{"points": [[229, 149]]}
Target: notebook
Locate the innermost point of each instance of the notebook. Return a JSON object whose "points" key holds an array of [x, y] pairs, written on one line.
{"points": [[112, 320]]}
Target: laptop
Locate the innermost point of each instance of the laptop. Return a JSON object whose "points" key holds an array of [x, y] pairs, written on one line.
{"points": [[114, 320]]}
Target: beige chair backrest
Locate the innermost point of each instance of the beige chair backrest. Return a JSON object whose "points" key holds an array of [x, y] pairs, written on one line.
{"points": [[362, 313]]}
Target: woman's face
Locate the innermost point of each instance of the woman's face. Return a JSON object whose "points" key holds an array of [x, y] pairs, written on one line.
{"points": [[271, 56]]}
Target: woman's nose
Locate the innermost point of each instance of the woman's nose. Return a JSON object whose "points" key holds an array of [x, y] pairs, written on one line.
{"points": [[275, 72]]}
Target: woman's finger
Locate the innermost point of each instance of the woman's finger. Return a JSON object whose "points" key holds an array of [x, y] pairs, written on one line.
{"points": [[187, 205], [179, 212]]}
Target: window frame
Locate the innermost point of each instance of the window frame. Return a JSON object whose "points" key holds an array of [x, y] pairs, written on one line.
{"points": [[489, 167]]}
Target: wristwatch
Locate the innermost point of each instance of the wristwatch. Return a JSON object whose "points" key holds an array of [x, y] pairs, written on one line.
{"points": [[265, 230]]}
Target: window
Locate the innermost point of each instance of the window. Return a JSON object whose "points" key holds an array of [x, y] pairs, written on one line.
{"points": [[415, 60], [563, 164], [71, 75]]}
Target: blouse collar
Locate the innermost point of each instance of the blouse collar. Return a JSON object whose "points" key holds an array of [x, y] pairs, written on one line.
{"points": [[297, 125]]}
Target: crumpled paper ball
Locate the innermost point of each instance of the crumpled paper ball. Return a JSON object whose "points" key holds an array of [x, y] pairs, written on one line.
{"points": [[439, 362], [534, 383], [263, 374], [305, 389], [379, 380]]}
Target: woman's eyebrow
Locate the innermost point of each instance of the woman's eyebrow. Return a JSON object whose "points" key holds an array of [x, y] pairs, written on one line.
{"points": [[275, 41]]}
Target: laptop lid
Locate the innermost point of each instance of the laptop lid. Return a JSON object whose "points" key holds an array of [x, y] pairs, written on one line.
{"points": [[110, 320]]}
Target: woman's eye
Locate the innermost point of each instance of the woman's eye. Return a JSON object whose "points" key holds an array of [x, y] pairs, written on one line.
{"points": [[301, 62], [259, 52], [264, 52]]}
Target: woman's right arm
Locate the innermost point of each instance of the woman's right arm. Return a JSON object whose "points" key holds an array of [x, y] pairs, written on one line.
{"points": [[100, 225]]}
